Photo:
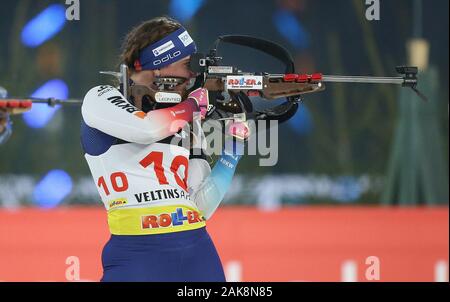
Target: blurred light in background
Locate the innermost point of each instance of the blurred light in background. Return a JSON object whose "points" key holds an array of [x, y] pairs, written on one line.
{"points": [[52, 189], [184, 10], [291, 29], [44, 26], [41, 114], [3, 92], [348, 189], [301, 122]]}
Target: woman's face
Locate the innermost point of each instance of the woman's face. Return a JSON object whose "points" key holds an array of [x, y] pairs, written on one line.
{"points": [[177, 69]]}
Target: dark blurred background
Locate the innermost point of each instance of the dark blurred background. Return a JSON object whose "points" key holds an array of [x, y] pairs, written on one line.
{"points": [[359, 144]]}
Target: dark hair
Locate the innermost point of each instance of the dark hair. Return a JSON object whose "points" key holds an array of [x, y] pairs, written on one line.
{"points": [[144, 34]]}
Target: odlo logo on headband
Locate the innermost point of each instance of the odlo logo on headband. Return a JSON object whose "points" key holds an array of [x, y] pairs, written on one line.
{"points": [[167, 58]]}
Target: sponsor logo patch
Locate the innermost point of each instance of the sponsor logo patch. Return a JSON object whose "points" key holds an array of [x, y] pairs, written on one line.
{"points": [[167, 58], [165, 220], [163, 48], [117, 202], [104, 89], [185, 38], [244, 82], [120, 102], [165, 97]]}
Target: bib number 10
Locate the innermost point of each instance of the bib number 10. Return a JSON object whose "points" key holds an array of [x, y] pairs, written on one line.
{"points": [[119, 181]]}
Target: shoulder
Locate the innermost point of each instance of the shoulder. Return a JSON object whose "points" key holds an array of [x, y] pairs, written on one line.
{"points": [[101, 91], [99, 96]]}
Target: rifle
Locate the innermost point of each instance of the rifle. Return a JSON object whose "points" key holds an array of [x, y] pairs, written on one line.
{"points": [[233, 86]]}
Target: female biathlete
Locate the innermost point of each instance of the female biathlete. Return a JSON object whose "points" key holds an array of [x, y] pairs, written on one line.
{"points": [[158, 196]]}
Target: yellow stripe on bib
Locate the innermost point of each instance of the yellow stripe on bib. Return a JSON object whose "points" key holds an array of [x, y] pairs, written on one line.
{"points": [[154, 220]]}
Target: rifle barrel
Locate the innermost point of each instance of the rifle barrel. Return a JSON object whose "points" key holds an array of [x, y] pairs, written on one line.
{"points": [[363, 79], [56, 102]]}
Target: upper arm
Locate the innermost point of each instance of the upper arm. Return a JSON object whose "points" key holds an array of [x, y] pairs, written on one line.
{"points": [[106, 109]]}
